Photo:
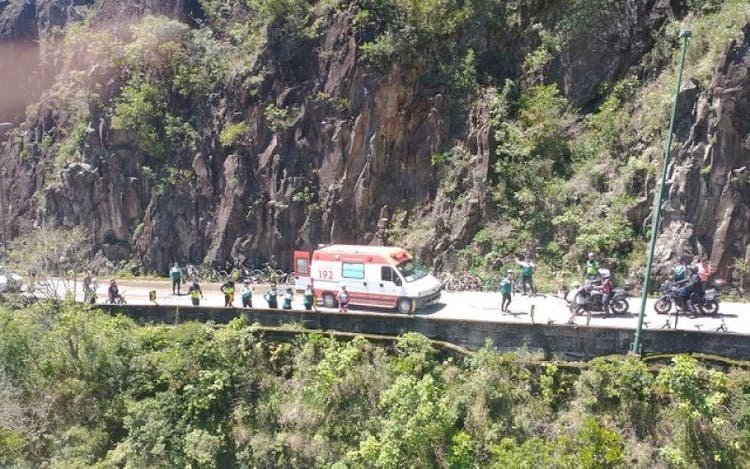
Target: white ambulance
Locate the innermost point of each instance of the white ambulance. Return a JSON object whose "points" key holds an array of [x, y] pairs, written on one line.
{"points": [[379, 276]]}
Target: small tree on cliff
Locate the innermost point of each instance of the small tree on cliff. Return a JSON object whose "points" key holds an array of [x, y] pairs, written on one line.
{"points": [[51, 258]]}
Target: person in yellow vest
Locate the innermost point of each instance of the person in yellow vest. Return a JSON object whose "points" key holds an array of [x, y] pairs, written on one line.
{"points": [[196, 294], [228, 290]]}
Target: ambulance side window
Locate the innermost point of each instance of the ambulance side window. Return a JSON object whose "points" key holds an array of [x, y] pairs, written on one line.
{"points": [[353, 270], [386, 274]]}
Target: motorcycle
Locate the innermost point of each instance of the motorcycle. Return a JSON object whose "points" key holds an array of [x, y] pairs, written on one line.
{"points": [[588, 297], [705, 303]]}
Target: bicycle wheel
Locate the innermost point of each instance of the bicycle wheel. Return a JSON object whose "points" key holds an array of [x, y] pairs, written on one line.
{"points": [[452, 285]]}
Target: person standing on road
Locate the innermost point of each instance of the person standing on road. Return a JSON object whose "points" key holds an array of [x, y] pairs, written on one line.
{"points": [[228, 290], [175, 273], [506, 288], [343, 298], [607, 287], [247, 294], [288, 297], [591, 270], [271, 296], [113, 292], [527, 275], [89, 288], [195, 292], [309, 300]]}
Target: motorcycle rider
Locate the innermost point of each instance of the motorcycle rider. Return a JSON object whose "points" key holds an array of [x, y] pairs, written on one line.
{"points": [[704, 269], [679, 272], [691, 285]]}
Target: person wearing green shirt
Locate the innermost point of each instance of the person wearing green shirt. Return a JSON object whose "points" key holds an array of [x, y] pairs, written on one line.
{"points": [[247, 294], [288, 297], [271, 296], [506, 287], [527, 274], [175, 274], [309, 300], [592, 267]]}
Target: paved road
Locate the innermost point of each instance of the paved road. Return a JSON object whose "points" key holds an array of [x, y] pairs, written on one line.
{"points": [[470, 306]]}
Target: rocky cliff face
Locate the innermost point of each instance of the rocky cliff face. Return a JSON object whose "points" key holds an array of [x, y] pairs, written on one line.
{"points": [[353, 162], [708, 208]]}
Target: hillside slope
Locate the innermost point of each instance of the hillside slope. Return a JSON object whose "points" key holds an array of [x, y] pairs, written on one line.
{"points": [[208, 131]]}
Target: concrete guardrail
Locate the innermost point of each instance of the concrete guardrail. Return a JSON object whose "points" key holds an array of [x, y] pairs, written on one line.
{"points": [[554, 341]]}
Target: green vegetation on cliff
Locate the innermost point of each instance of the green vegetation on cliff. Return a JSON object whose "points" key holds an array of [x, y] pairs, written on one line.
{"points": [[488, 128], [79, 388]]}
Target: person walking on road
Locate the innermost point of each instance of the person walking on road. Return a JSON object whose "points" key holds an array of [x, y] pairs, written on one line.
{"points": [[506, 288], [527, 274], [195, 292], [228, 290], [271, 296], [309, 299], [175, 273], [343, 298], [288, 297], [247, 294]]}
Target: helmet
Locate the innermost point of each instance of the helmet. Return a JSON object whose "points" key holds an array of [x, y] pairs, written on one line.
{"points": [[591, 255]]}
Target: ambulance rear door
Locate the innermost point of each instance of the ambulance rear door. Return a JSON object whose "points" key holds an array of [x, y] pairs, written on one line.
{"points": [[301, 270]]}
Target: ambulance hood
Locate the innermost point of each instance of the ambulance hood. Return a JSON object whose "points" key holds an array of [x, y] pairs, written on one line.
{"points": [[426, 285]]}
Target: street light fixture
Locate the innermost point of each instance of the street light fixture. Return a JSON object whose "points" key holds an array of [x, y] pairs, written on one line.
{"points": [[636, 346], [4, 125]]}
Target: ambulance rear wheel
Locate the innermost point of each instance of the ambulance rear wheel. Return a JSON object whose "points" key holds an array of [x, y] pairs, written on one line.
{"points": [[405, 306], [329, 301]]}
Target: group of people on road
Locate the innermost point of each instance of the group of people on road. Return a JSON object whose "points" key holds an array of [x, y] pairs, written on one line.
{"points": [[90, 285], [247, 289], [591, 273]]}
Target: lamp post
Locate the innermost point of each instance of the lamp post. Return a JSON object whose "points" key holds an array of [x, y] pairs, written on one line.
{"points": [[636, 346], [3, 125]]}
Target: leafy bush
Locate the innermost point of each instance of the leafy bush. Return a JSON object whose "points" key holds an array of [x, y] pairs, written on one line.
{"points": [[279, 119], [232, 133], [80, 387]]}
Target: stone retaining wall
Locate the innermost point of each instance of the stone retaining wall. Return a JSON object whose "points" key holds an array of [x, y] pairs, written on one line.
{"points": [[558, 341]]}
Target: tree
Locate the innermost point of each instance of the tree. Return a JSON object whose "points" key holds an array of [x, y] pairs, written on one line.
{"points": [[52, 258]]}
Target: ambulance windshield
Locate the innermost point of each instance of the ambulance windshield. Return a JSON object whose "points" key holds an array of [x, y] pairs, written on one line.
{"points": [[412, 270]]}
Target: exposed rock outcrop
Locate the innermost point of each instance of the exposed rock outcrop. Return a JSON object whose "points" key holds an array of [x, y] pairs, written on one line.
{"points": [[708, 208], [356, 141]]}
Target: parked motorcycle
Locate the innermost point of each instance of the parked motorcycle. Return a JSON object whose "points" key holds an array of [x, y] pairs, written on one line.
{"points": [[706, 303], [589, 297]]}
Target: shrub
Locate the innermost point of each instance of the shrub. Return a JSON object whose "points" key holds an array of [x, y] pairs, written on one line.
{"points": [[233, 133]]}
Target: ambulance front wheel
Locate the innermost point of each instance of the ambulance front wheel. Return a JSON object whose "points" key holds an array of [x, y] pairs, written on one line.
{"points": [[329, 301], [405, 306]]}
